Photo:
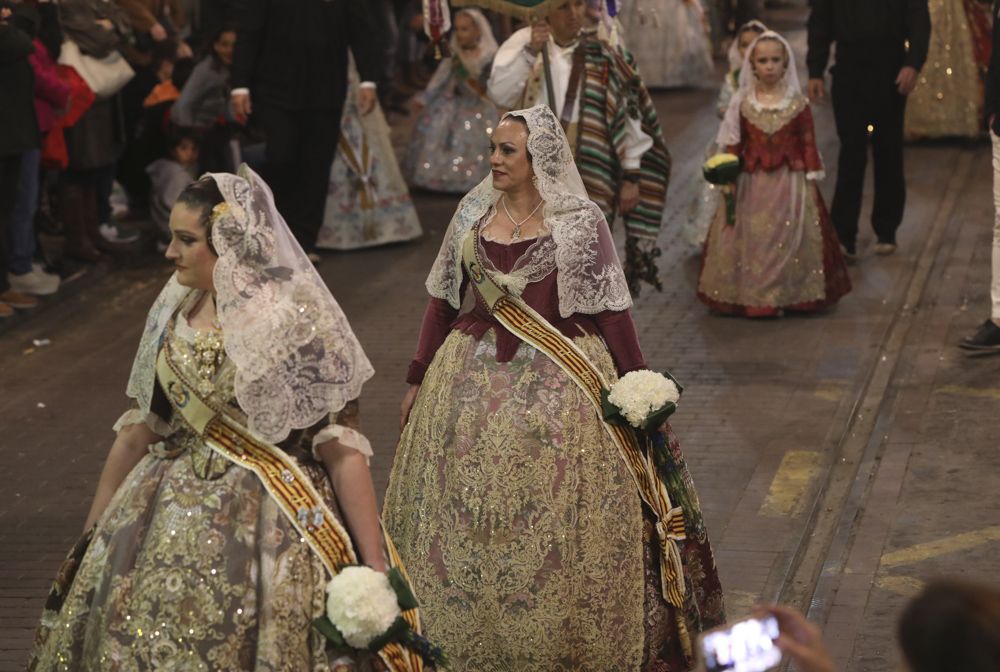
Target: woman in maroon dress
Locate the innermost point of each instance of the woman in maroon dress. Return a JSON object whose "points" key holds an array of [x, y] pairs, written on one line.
{"points": [[527, 541]]}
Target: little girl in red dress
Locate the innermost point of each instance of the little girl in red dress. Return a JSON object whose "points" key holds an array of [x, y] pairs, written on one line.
{"points": [[782, 252]]}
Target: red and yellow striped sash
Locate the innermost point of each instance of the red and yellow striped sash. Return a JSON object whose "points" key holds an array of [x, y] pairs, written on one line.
{"points": [[285, 482], [521, 320]]}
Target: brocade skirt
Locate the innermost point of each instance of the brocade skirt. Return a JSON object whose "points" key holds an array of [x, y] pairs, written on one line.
{"points": [[193, 567], [522, 530], [782, 252]]}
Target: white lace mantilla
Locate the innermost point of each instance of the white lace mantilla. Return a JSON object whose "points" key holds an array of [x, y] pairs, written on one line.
{"points": [[580, 247], [297, 359], [729, 131]]}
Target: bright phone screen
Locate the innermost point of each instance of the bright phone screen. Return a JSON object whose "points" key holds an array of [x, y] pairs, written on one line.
{"points": [[745, 646]]}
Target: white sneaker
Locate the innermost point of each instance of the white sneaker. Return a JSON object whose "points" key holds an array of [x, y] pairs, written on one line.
{"points": [[36, 281]]}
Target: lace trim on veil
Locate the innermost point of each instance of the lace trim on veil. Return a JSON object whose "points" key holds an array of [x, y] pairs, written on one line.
{"points": [[297, 359], [580, 246]]}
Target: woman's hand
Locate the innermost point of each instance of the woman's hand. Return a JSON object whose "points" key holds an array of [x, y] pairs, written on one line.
{"points": [[407, 405]]}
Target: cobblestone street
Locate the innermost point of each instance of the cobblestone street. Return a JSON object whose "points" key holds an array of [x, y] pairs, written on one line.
{"points": [[842, 458]]}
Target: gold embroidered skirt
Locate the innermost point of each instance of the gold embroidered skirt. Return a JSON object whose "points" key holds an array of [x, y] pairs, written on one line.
{"points": [[948, 98], [193, 567], [520, 525]]}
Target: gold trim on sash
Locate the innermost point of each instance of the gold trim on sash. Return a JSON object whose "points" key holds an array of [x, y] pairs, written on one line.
{"points": [[521, 320], [287, 485]]}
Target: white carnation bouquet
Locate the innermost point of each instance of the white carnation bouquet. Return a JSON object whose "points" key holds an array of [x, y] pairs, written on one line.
{"points": [[364, 610], [643, 399]]}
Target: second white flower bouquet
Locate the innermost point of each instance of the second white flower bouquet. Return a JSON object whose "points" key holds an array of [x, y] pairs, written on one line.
{"points": [[642, 399], [364, 610]]}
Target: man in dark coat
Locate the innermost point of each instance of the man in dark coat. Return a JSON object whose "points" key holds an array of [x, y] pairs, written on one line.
{"points": [[881, 47], [987, 337], [290, 72], [18, 134]]}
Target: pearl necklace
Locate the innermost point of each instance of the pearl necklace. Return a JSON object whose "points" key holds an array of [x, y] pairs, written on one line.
{"points": [[516, 233]]}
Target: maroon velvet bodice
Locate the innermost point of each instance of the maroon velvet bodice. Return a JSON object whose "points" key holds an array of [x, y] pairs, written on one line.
{"points": [[615, 327]]}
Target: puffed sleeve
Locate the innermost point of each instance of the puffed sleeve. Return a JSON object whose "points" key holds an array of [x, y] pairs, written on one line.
{"points": [[345, 427], [154, 422]]}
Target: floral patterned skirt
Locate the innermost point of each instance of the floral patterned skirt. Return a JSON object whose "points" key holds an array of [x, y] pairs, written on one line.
{"points": [[192, 567], [367, 204], [522, 529], [782, 252]]}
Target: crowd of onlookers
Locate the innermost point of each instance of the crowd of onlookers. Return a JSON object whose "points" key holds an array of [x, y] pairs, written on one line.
{"points": [[98, 94], [110, 107]]}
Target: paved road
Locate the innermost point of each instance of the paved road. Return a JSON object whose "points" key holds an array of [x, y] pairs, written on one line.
{"points": [[842, 458]]}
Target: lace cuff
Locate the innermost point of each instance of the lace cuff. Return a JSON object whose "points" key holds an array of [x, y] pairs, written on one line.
{"points": [[134, 416], [346, 436], [816, 175]]}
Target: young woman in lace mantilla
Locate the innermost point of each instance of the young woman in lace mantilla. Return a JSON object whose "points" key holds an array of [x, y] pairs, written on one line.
{"points": [[202, 553], [781, 253], [525, 535]]}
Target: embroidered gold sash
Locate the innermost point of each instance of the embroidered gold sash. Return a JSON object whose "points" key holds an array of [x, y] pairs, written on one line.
{"points": [[285, 482], [521, 320]]}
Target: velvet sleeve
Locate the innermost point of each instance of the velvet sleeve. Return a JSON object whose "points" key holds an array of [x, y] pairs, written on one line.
{"points": [[618, 331], [434, 329], [807, 132]]}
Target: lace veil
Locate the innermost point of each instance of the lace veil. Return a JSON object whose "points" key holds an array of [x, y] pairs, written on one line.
{"points": [[487, 43], [733, 55], [297, 359], [729, 131], [576, 241]]}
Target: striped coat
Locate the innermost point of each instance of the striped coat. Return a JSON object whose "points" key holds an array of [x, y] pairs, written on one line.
{"points": [[612, 89]]}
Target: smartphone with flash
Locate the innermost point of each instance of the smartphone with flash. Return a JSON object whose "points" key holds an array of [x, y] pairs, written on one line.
{"points": [[743, 646]]}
